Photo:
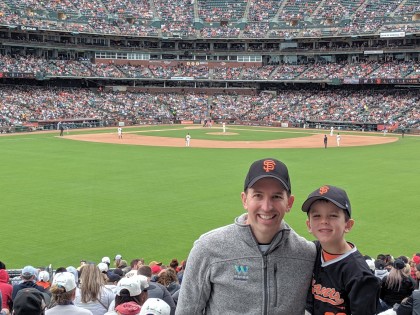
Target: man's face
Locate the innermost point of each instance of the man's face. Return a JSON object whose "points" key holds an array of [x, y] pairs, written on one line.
{"points": [[266, 202]]}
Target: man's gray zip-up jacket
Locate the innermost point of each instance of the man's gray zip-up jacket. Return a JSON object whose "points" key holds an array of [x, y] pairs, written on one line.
{"points": [[227, 274]]}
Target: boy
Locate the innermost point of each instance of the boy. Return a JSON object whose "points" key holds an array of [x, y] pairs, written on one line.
{"points": [[342, 281]]}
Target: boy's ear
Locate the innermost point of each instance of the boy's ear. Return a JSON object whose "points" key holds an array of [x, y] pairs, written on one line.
{"points": [[349, 225], [308, 224]]}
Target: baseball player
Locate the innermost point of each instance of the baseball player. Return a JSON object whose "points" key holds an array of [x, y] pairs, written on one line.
{"points": [[187, 140], [332, 131], [119, 131], [338, 139], [342, 282], [224, 127]]}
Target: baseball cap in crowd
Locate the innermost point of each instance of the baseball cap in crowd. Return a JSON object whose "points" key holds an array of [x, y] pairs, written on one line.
{"points": [[268, 168], [65, 280], [44, 276], [29, 301], [74, 272], [156, 269], [128, 308], [106, 260], [113, 277], [118, 257], [103, 267], [28, 272], [331, 193], [154, 306], [135, 285]]}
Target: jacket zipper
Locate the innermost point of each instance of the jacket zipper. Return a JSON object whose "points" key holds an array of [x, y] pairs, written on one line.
{"points": [[275, 284], [265, 309]]}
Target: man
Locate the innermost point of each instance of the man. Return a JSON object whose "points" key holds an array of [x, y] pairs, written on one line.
{"points": [[28, 276], [258, 265], [325, 141], [187, 140]]}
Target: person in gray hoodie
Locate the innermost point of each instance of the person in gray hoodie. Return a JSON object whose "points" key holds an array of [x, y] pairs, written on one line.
{"points": [[258, 264]]}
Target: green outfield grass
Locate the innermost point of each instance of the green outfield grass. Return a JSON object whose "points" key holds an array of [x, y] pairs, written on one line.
{"points": [[65, 200]]}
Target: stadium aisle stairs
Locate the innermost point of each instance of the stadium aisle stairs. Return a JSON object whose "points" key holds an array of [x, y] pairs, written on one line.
{"points": [[276, 16]]}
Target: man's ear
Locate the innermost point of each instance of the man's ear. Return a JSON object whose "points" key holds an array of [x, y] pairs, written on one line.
{"points": [[244, 201]]}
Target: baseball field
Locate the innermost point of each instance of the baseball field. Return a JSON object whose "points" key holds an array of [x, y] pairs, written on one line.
{"points": [[89, 194]]}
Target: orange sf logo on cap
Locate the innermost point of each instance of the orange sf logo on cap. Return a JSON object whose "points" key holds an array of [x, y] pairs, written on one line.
{"points": [[269, 165], [324, 190]]}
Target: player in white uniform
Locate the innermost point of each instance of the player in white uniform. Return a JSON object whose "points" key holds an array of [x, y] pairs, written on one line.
{"points": [[187, 140], [338, 139], [119, 130], [224, 127], [332, 131]]}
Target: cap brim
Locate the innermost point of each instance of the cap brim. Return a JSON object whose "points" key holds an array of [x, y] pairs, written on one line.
{"points": [[252, 182], [308, 203]]}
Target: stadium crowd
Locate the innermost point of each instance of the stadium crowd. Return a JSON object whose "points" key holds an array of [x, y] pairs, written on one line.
{"points": [[22, 104], [99, 286], [128, 17], [321, 70]]}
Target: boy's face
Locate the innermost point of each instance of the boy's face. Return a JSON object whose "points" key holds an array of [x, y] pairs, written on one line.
{"points": [[266, 202], [328, 223]]}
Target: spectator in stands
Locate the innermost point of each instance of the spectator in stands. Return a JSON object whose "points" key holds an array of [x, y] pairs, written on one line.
{"points": [[155, 306], [63, 291], [30, 301], [380, 270], [180, 273], [117, 260], [106, 260], [168, 278], [174, 264], [75, 273], [111, 281], [28, 277], [93, 295], [396, 286], [135, 264], [43, 279], [133, 289], [221, 261], [156, 290], [6, 290]]}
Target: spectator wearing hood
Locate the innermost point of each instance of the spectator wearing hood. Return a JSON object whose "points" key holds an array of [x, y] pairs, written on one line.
{"points": [[6, 290]]}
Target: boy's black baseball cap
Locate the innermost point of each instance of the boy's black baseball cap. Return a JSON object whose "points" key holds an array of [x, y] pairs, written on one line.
{"points": [[331, 193], [268, 168]]}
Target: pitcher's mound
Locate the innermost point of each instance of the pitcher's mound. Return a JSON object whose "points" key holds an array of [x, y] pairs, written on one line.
{"points": [[222, 133]]}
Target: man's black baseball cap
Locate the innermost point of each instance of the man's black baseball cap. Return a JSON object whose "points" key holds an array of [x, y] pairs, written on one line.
{"points": [[268, 168], [331, 193]]}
